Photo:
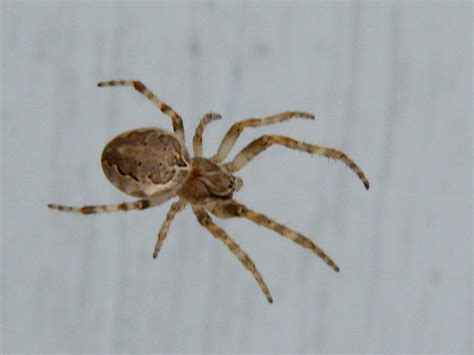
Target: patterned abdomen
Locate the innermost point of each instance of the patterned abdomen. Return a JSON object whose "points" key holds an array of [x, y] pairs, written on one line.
{"points": [[141, 161]]}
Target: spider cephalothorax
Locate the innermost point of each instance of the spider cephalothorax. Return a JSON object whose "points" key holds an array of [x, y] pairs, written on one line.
{"points": [[207, 181], [154, 164]]}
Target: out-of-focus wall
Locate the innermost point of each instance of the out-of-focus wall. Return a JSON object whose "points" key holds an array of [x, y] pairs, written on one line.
{"points": [[390, 84]]}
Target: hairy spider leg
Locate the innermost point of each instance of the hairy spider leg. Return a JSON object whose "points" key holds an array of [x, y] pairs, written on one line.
{"points": [[205, 220], [197, 139], [175, 208], [166, 109], [236, 129], [260, 144], [228, 209]]}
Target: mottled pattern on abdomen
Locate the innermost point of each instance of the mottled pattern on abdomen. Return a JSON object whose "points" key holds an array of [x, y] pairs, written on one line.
{"points": [[142, 157]]}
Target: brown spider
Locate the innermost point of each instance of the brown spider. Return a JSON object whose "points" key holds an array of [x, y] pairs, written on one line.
{"points": [[153, 164]]}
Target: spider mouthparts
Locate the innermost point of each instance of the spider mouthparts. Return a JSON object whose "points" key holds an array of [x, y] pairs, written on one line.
{"points": [[238, 183]]}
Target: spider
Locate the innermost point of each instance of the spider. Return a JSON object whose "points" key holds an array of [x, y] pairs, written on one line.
{"points": [[154, 165]]}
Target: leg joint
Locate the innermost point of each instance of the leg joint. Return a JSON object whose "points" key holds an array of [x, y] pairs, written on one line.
{"points": [[138, 85]]}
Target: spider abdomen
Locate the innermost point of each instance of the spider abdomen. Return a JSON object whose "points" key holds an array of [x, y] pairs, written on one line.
{"points": [[139, 161]]}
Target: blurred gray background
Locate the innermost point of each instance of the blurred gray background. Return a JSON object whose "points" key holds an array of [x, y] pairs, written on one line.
{"points": [[390, 84]]}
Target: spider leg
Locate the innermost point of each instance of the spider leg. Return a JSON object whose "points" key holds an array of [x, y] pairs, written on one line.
{"points": [[197, 139], [175, 208], [167, 110], [205, 220], [234, 131], [260, 144], [234, 209], [90, 209]]}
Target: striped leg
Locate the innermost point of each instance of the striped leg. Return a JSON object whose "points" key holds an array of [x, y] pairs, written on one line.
{"points": [[174, 209], [167, 110], [234, 131], [197, 139], [235, 209], [205, 220], [90, 209], [260, 144]]}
